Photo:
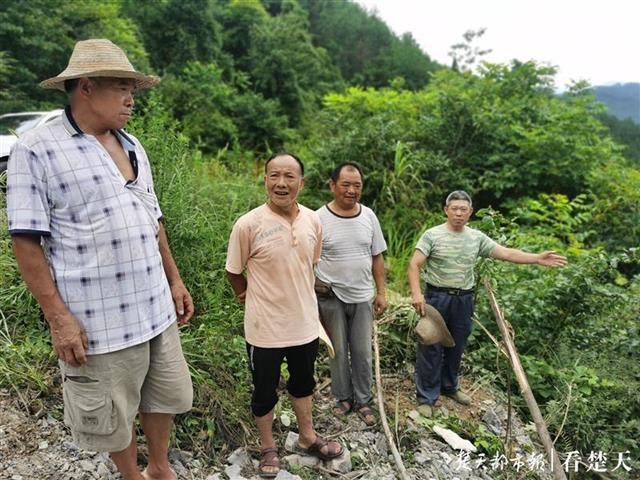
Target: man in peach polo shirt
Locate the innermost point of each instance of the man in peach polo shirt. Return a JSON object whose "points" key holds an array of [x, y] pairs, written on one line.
{"points": [[278, 244]]}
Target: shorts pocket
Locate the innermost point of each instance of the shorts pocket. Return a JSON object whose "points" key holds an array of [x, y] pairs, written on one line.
{"points": [[88, 408]]}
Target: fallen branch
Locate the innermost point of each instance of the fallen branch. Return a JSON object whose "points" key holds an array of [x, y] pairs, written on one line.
{"points": [[525, 389], [383, 416]]}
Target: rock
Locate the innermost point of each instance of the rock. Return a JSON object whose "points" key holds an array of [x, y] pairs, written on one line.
{"points": [[215, 476], [43, 445], [284, 475], [421, 458], [296, 460], [103, 471], [240, 457], [493, 422], [291, 443], [454, 440], [233, 472], [413, 415], [86, 465], [340, 464], [381, 445], [179, 468]]}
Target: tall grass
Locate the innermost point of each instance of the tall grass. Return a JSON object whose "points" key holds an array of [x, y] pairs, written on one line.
{"points": [[200, 199]]}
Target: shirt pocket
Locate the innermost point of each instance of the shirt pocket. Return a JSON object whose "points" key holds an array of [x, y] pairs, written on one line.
{"points": [[88, 406]]}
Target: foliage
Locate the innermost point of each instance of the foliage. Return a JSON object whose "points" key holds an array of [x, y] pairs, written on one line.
{"points": [[374, 56], [616, 208], [627, 133], [37, 37], [284, 64], [176, 32], [215, 114]]}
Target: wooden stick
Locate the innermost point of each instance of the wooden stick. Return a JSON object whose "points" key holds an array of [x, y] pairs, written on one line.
{"points": [[525, 389], [383, 416]]}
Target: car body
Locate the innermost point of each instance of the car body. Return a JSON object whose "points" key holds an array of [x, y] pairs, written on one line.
{"points": [[12, 125]]}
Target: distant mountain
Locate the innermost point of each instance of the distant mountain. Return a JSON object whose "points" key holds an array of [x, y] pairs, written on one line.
{"points": [[622, 100]]}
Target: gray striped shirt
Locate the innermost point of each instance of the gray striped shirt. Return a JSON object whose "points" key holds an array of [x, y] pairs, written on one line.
{"points": [[348, 245]]}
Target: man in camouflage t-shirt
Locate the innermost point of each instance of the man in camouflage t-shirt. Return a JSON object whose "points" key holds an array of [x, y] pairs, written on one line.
{"points": [[451, 250]]}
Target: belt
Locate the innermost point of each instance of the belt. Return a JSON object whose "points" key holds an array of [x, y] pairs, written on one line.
{"points": [[457, 292]]}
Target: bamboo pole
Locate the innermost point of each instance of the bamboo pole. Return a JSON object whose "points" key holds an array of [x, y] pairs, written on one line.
{"points": [[383, 416], [525, 389]]}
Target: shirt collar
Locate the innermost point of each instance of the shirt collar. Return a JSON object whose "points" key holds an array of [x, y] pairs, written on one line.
{"points": [[73, 129]]}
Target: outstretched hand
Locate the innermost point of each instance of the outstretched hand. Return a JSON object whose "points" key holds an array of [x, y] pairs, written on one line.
{"points": [[551, 259]]}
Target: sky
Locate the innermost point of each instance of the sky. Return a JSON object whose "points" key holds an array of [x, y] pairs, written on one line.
{"points": [[593, 40]]}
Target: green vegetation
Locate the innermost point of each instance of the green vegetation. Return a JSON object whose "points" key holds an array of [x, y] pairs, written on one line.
{"points": [[243, 78]]}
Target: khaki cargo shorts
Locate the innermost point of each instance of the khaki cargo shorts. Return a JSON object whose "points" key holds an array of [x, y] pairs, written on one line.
{"points": [[102, 398]]}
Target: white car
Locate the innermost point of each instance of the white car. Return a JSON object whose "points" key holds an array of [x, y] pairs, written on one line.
{"points": [[12, 125]]}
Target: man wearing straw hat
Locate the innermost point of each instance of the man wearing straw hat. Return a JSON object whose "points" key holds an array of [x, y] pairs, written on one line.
{"points": [[88, 238], [450, 251]]}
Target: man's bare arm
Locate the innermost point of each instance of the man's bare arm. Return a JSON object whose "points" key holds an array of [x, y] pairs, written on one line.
{"points": [[413, 272], [377, 267], [513, 255], [67, 333], [181, 297], [239, 284]]}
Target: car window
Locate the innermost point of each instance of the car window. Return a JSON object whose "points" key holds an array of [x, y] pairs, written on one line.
{"points": [[17, 124]]}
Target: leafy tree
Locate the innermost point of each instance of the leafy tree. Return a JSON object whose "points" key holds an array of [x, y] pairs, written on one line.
{"points": [[285, 66], [176, 32], [38, 36], [363, 47], [627, 133], [240, 18], [216, 114]]}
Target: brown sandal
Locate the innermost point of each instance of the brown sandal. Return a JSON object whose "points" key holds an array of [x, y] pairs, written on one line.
{"points": [[342, 408], [269, 459], [367, 415], [315, 449]]}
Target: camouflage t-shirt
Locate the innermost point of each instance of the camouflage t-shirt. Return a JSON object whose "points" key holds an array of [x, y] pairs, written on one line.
{"points": [[451, 256]]}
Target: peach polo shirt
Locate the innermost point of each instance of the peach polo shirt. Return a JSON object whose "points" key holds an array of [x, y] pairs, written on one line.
{"points": [[280, 308]]}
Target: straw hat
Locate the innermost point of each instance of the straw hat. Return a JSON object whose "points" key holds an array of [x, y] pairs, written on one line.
{"points": [[99, 58], [431, 329]]}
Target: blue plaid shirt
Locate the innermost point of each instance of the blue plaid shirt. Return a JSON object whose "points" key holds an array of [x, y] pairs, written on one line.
{"points": [[99, 232]]}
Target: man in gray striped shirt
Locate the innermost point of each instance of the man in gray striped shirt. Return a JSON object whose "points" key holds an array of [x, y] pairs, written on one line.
{"points": [[353, 265]]}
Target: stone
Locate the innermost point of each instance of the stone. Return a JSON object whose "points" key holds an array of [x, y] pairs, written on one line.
{"points": [[86, 465], [43, 445], [179, 468], [413, 415], [291, 443], [381, 445], [215, 476], [493, 422], [103, 471], [421, 458], [233, 472], [241, 457], [341, 464], [454, 440], [284, 475], [296, 460]]}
